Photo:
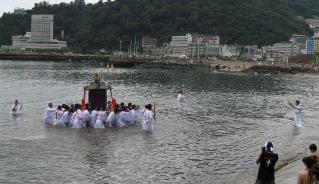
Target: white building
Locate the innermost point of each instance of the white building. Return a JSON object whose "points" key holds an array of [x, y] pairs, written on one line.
{"points": [[282, 49], [300, 41], [313, 24], [42, 28], [179, 45], [213, 50], [196, 49], [40, 37], [229, 51], [214, 40]]}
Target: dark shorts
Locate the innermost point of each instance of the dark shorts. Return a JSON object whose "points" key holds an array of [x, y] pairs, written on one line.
{"points": [[264, 182]]}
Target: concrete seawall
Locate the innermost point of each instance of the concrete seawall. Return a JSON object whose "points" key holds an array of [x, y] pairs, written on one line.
{"points": [[160, 63]]}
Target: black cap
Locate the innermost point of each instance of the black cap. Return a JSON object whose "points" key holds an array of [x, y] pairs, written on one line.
{"points": [[269, 146]]}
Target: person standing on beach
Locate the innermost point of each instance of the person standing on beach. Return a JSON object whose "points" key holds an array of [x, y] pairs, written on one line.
{"points": [[267, 161], [303, 176], [314, 151], [297, 110]]}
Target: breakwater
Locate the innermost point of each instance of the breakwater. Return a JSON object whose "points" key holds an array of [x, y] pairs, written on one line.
{"points": [[275, 69], [118, 61], [171, 63]]}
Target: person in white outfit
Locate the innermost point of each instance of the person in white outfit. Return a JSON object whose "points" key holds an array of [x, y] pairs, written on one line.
{"points": [[297, 110], [65, 119], [78, 121], [125, 116], [93, 118], [147, 119], [133, 115], [87, 115], [72, 117], [16, 108], [101, 119], [49, 115], [58, 116], [115, 119], [181, 96]]}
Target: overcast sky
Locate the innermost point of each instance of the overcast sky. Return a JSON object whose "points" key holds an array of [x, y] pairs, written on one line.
{"points": [[9, 5]]}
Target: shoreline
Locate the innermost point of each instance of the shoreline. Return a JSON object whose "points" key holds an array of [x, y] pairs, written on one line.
{"points": [[233, 66], [288, 173]]}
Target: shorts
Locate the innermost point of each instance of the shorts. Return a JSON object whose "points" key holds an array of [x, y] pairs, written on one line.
{"points": [[258, 181]]}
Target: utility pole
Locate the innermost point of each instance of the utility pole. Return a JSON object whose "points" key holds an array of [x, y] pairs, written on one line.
{"points": [[135, 46], [120, 47], [131, 49]]}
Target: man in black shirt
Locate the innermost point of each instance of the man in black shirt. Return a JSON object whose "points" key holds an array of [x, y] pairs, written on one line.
{"points": [[267, 161]]}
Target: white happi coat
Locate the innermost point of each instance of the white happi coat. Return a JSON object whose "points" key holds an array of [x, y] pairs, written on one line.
{"points": [[93, 118], [17, 109], [72, 119], [180, 97], [125, 117], [115, 119], [147, 120], [297, 110], [66, 117], [58, 116], [78, 121], [86, 116], [49, 115], [101, 119], [133, 117]]}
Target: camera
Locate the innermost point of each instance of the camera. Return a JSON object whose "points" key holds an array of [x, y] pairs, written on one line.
{"points": [[263, 149]]}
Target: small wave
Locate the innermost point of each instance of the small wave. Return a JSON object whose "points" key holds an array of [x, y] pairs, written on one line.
{"points": [[30, 138]]}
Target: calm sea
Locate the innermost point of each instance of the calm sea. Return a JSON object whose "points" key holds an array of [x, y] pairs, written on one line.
{"points": [[213, 137]]}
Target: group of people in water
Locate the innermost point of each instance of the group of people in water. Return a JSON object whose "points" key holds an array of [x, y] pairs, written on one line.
{"points": [[112, 115]]}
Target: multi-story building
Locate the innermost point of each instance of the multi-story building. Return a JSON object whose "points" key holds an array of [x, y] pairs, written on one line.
{"points": [[179, 45], [313, 24], [149, 45], [310, 45], [282, 49], [300, 41], [196, 49], [148, 42], [42, 28], [19, 11], [214, 40], [316, 43], [213, 50], [40, 37]]}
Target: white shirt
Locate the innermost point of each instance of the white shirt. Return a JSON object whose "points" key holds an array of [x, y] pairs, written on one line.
{"points": [[17, 109], [86, 115], [297, 110], [101, 116], [49, 113], [59, 114], [147, 120], [93, 115], [180, 97]]}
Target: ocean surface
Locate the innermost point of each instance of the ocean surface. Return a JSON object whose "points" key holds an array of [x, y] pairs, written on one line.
{"points": [[213, 137]]}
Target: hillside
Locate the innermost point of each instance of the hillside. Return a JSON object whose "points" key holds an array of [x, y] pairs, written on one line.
{"points": [[102, 25]]}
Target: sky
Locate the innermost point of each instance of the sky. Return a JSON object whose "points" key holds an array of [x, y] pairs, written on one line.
{"points": [[9, 5]]}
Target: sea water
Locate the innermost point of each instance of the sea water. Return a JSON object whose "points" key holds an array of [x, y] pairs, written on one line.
{"points": [[213, 137]]}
